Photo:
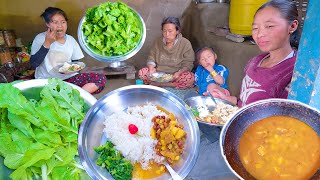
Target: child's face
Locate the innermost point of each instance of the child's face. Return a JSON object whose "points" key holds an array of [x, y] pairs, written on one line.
{"points": [[270, 30], [207, 58]]}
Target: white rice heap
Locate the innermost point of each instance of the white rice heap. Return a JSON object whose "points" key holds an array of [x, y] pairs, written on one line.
{"points": [[134, 147]]}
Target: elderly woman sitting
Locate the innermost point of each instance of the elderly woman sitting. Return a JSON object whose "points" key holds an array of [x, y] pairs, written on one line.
{"points": [[172, 54]]}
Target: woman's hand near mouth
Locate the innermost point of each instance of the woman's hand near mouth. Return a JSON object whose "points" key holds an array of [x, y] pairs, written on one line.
{"points": [[50, 38]]}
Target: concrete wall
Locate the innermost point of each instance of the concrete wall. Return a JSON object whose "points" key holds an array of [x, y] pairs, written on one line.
{"points": [[24, 17], [198, 19]]}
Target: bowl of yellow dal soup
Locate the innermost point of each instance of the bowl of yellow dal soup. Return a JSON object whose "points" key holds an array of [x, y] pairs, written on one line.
{"points": [[273, 139]]}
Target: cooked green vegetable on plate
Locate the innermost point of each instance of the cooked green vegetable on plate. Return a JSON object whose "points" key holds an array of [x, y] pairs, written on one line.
{"points": [[111, 159]]}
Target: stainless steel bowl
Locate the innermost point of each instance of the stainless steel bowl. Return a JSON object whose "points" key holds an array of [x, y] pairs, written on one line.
{"points": [[232, 131], [90, 133], [90, 52], [31, 89], [118, 66], [195, 101]]}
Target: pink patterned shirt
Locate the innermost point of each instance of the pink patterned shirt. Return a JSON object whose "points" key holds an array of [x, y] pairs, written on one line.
{"points": [[264, 83]]}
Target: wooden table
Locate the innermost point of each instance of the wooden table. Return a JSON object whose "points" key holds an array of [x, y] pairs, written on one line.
{"points": [[129, 71]]}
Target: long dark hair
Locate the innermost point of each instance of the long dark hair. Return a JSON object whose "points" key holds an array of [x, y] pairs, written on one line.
{"points": [[51, 11], [288, 11], [171, 20]]}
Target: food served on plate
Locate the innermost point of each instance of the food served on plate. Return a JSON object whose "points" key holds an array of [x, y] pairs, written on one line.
{"points": [[114, 162], [145, 135], [39, 136], [111, 29], [220, 115], [71, 67], [280, 147], [161, 77]]}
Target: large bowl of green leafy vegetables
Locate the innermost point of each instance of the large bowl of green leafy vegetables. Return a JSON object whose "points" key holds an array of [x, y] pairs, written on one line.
{"points": [[39, 129], [111, 32]]}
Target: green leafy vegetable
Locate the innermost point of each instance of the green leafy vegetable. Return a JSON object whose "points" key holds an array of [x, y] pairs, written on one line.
{"points": [[39, 138], [111, 28], [114, 162], [195, 112]]}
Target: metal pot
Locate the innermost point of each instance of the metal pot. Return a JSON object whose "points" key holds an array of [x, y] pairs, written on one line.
{"points": [[233, 130]]}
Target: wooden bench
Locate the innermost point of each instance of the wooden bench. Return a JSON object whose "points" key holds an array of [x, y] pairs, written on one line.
{"points": [[129, 71]]}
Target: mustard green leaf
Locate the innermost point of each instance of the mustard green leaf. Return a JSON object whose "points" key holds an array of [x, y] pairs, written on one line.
{"points": [[7, 145], [17, 158], [21, 123], [33, 156], [64, 156], [67, 98], [55, 122], [69, 136], [12, 99], [65, 173], [58, 113], [38, 136], [48, 138], [22, 142]]}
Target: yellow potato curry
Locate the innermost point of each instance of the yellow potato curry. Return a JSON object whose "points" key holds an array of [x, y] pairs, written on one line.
{"points": [[280, 147]]}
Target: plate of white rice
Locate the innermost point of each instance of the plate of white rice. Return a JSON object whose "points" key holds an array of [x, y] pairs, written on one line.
{"points": [[137, 149], [109, 118]]}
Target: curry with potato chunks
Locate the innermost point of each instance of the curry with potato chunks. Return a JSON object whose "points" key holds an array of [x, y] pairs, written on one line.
{"points": [[280, 147], [171, 141], [171, 137]]}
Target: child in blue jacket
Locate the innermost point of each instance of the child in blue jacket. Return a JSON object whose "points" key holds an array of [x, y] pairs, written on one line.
{"points": [[210, 75]]}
